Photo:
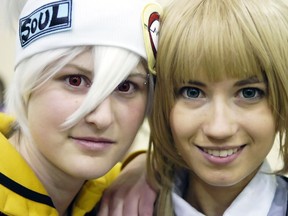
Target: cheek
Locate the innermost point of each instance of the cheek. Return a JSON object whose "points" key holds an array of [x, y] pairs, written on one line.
{"points": [[130, 114], [184, 129], [261, 127], [182, 122], [50, 108]]}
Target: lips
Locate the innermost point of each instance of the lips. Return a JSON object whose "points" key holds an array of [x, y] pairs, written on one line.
{"points": [[222, 153], [93, 144], [93, 140]]}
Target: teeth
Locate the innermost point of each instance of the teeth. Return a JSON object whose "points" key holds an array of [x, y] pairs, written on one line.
{"points": [[221, 153]]}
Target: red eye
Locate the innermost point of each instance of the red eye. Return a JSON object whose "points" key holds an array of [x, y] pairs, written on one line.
{"points": [[124, 87], [75, 80]]}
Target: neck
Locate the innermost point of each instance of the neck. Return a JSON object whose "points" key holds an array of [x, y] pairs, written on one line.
{"points": [[211, 200], [62, 194]]}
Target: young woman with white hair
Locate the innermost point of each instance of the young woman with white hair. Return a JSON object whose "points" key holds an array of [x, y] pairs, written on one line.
{"points": [[79, 94]]}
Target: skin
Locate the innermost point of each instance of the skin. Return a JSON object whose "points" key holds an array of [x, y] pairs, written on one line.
{"points": [[135, 198], [64, 159], [230, 114]]}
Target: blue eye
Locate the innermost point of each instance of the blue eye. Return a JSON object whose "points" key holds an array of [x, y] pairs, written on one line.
{"points": [[191, 92], [251, 93]]}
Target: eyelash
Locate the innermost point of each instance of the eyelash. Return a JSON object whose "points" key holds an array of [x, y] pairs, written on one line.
{"points": [[81, 78], [82, 82], [129, 91], [183, 92], [259, 93], [200, 94]]}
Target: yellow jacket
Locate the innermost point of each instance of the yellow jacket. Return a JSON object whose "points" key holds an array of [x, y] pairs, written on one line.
{"points": [[5, 122], [21, 192]]}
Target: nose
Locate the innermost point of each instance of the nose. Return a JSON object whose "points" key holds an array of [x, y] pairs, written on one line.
{"points": [[221, 121], [102, 116]]}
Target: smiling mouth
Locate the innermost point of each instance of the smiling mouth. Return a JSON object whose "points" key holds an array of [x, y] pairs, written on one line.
{"points": [[222, 152]]}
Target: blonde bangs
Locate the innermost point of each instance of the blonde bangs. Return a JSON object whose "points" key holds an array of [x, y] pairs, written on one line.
{"points": [[215, 43]]}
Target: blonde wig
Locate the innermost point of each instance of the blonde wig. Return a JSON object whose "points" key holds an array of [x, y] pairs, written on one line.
{"points": [[236, 39]]}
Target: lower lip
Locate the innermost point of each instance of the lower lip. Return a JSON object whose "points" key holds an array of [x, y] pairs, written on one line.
{"points": [[92, 146], [221, 160]]}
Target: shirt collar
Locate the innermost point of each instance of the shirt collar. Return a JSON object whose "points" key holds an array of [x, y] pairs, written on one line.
{"points": [[257, 196]]}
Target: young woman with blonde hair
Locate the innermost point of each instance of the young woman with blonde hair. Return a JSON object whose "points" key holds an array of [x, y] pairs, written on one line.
{"points": [[221, 98]]}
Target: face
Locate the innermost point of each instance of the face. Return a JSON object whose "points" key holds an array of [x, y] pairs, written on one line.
{"points": [[223, 130], [97, 142]]}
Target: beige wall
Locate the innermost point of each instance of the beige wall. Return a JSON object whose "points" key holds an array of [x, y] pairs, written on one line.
{"points": [[6, 67], [7, 50]]}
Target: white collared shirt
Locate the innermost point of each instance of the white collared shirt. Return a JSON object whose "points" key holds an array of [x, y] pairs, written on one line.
{"points": [[255, 200]]}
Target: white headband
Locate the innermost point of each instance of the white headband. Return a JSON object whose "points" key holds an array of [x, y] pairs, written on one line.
{"points": [[52, 24]]}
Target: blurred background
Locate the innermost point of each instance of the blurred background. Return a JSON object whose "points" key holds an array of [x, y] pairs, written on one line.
{"points": [[7, 39]]}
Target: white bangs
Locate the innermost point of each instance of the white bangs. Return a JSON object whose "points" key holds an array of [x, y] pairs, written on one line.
{"points": [[111, 66]]}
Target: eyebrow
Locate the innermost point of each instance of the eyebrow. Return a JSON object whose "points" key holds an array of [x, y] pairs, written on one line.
{"points": [[137, 73], [193, 82], [88, 72], [250, 80], [82, 69]]}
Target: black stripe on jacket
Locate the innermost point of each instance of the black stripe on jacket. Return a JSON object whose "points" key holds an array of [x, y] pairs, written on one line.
{"points": [[25, 192]]}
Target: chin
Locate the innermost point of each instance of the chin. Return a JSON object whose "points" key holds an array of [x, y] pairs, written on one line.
{"points": [[223, 182], [88, 171]]}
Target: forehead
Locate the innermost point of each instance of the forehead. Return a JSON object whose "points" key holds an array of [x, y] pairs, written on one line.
{"points": [[84, 60], [141, 68]]}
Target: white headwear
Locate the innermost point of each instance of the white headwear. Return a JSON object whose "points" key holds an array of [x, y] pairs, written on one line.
{"points": [[52, 24]]}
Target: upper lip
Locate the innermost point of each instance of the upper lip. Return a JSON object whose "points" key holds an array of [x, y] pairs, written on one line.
{"points": [[93, 139]]}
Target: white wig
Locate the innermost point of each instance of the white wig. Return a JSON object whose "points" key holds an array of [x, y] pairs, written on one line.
{"points": [[30, 76], [53, 32]]}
